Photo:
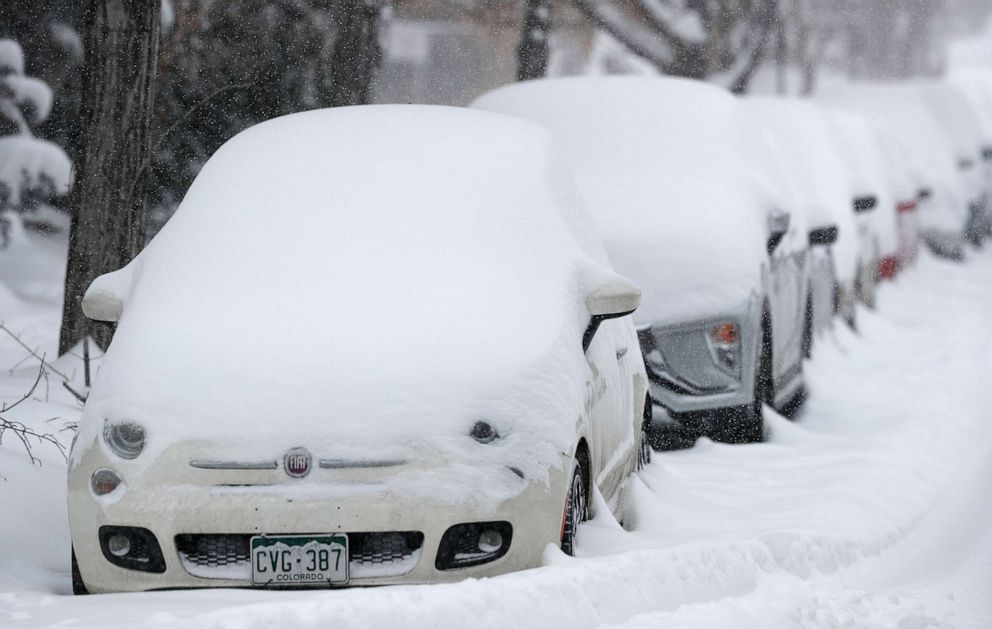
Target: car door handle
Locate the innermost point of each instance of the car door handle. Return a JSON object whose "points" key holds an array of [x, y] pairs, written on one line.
{"points": [[621, 353]]}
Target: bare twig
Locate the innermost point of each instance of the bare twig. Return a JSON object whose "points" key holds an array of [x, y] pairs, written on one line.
{"points": [[24, 434], [44, 363], [75, 394], [5, 407]]}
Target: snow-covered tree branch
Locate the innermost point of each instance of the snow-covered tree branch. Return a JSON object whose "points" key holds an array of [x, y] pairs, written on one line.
{"points": [[33, 171]]}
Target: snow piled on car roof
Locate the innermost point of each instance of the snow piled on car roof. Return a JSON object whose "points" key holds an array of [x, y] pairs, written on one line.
{"points": [[421, 264], [666, 168]]}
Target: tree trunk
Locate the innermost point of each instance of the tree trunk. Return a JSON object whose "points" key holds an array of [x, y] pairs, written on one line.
{"points": [[532, 55], [356, 54], [765, 23], [108, 198]]}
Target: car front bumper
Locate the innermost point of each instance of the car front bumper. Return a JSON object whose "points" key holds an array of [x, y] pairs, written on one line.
{"points": [[665, 389], [227, 505]]}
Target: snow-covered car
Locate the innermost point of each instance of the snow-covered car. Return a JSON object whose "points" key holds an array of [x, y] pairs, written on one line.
{"points": [[813, 162], [957, 118], [873, 199], [909, 169], [374, 345], [711, 242], [940, 210], [898, 174], [976, 85]]}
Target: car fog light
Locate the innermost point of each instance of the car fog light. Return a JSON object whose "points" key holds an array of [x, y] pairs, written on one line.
{"points": [[473, 544], [105, 481], [490, 541], [118, 545], [131, 547]]}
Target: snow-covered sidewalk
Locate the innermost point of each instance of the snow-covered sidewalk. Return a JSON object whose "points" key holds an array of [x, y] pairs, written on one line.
{"points": [[873, 509]]}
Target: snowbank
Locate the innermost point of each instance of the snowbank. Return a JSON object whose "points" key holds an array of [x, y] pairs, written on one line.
{"points": [[660, 163]]}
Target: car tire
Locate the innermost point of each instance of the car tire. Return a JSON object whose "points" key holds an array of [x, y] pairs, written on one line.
{"points": [[753, 424], [739, 424], [78, 587], [576, 503], [644, 449], [808, 330]]}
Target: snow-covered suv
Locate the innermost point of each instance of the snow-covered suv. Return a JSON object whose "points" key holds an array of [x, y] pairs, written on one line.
{"points": [[374, 345], [672, 174]]}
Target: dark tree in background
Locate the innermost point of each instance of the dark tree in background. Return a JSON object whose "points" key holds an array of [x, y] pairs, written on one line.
{"points": [[356, 53], [700, 39], [120, 40], [53, 52], [532, 54], [225, 66]]}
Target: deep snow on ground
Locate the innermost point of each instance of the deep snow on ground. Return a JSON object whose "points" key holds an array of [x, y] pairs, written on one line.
{"points": [[873, 509]]}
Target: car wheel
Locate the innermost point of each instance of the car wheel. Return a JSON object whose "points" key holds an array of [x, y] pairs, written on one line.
{"points": [[764, 384], [576, 505], [752, 425], [808, 330], [644, 451], [78, 587]]}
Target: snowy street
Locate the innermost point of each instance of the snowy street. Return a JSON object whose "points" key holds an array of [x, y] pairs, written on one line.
{"points": [[872, 509]]}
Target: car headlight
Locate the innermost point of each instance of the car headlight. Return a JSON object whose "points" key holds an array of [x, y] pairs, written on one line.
{"points": [[725, 343], [126, 439], [692, 360]]}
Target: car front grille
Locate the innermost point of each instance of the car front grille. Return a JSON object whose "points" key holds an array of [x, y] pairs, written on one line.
{"points": [[227, 556], [214, 551]]}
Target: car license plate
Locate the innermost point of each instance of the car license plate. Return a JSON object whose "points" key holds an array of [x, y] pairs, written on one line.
{"points": [[299, 559]]}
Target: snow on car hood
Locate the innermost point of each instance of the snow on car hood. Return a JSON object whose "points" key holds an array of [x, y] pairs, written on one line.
{"points": [[362, 278], [665, 166]]}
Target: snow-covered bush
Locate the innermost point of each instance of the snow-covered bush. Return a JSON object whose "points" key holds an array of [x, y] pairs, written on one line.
{"points": [[34, 173]]}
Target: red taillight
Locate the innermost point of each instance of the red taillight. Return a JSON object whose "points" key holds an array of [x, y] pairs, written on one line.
{"points": [[888, 267], [726, 333], [908, 206]]}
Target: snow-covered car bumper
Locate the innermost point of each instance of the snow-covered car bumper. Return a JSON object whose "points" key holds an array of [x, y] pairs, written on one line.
{"points": [[192, 528]]}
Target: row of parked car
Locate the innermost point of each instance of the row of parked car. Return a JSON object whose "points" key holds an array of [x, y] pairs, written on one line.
{"points": [[750, 222], [404, 344]]}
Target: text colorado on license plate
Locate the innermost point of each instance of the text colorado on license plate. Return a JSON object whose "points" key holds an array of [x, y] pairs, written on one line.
{"points": [[299, 559]]}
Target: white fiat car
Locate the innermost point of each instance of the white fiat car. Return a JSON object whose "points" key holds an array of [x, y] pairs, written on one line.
{"points": [[374, 345]]}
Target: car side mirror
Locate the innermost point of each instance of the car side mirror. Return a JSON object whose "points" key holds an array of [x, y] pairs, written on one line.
{"points": [[101, 306], [864, 204], [105, 297], [613, 297], [823, 236], [778, 227]]}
